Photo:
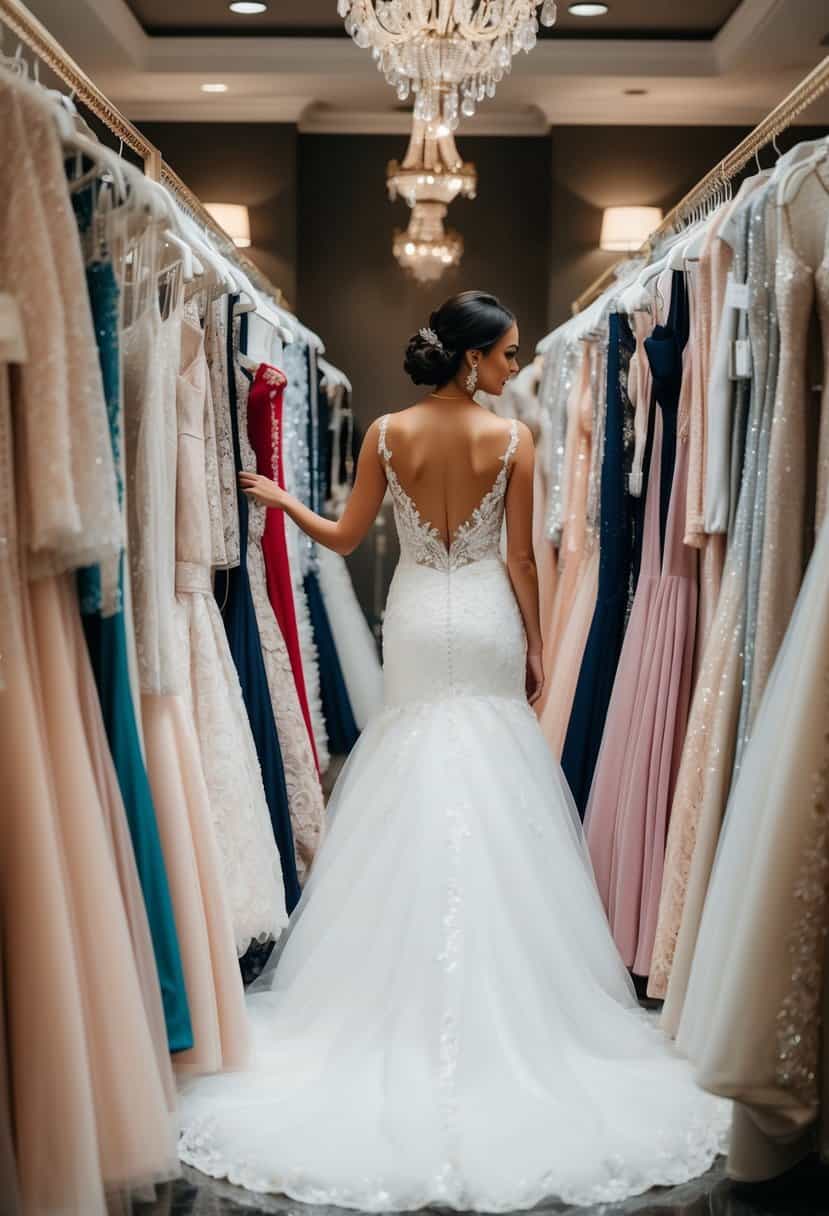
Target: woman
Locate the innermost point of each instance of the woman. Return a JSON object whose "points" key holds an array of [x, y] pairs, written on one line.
{"points": [[449, 1022]]}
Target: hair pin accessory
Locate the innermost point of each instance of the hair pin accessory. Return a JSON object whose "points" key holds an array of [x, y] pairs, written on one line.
{"points": [[429, 335]]}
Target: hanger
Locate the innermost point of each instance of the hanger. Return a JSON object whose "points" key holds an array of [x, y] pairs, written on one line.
{"points": [[333, 374], [795, 174], [15, 63]]}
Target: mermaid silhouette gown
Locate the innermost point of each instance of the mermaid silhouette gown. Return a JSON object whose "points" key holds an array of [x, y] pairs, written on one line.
{"points": [[449, 1021]]}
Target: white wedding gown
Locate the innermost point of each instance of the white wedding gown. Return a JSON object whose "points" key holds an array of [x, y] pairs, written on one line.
{"points": [[449, 1021]]}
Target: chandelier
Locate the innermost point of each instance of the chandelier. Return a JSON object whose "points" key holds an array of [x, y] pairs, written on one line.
{"points": [[432, 169], [426, 249], [450, 53]]}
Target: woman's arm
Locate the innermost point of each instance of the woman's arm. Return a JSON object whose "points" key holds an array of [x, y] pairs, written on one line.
{"points": [[520, 557], [343, 535]]}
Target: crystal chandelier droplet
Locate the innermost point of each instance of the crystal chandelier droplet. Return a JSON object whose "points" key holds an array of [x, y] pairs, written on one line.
{"points": [[440, 48], [426, 249]]}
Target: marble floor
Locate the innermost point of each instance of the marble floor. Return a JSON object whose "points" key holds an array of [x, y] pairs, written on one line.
{"points": [[803, 1192]]}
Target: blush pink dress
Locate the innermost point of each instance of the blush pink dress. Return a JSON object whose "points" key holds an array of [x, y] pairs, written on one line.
{"points": [[553, 715], [630, 800]]}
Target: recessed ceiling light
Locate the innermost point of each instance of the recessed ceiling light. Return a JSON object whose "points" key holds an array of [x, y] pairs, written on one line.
{"points": [[214, 88], [587, 10], [247, 6]]}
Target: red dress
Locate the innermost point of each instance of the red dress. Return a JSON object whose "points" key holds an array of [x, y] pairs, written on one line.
{"points": [[265, 434]]}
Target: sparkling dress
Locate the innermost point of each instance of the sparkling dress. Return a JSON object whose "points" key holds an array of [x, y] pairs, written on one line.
{"points": [[755, 1015], [394, 1066], [711, 746], [101, 595], [801, 283]]}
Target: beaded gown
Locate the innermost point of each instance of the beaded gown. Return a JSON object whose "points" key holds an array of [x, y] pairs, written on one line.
{"points": [[427, 1036]]}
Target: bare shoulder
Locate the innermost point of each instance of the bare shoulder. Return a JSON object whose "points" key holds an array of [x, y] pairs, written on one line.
{"points": [[502, 427], [525, 450], [525, 436]]}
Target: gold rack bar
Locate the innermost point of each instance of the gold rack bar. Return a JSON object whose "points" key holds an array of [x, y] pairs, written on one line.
{"points": [[197, 209], [37, 38], [781, 117]]}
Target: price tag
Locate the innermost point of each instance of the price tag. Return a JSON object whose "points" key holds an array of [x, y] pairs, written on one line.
{"points": [[739, 364], [736, 295]]}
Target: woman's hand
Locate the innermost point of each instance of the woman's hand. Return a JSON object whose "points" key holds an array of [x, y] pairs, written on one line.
{"points": [[535, 677], [261, 489]]}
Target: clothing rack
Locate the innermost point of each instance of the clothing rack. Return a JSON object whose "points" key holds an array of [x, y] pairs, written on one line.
{"points": [[33, 34], [781, 117]]}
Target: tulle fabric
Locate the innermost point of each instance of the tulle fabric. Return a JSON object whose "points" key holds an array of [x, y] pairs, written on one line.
{"points": [[755, 1002], [134, 1130], [563, 678], [483, 1051], [48, 1062]]}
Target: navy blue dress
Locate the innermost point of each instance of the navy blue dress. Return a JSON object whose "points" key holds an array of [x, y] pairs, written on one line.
{"points": [[664, 349], [616, 575], [233, 593], [336, 706], [106, 641]]}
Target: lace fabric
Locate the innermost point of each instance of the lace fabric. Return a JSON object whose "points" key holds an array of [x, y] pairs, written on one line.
{"points": [[476, 538], [224, 512], [151, 348], [239, 811], [297, 482], [305, 800], [392, 1067], [69, 514]]}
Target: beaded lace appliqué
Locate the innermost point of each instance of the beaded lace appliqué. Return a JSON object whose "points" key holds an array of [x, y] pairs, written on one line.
{"points": [[477, 537]]}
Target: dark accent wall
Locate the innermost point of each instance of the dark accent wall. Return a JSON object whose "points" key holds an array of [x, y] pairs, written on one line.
{"points": [[351, 289], [598, 167], [251, 163]]}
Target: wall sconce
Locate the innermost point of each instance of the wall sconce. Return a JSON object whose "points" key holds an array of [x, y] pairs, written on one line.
{"points": [[234, 218], [625, 229]]}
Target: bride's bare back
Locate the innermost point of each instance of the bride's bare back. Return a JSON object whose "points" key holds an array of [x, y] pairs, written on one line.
{"points": [[446, 457]]}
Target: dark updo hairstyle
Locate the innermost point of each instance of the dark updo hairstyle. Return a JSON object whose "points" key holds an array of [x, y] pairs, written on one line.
{"points": [[472, 320]]}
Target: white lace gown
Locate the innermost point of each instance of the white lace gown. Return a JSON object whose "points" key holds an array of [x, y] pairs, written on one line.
{"points": [[449, 1021]]}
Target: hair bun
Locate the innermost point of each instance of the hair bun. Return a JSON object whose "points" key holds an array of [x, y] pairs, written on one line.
{"points": [[427, 361]]}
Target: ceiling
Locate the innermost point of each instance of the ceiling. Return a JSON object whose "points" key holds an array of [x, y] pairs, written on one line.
{"points": [[309, 75], [626, 18]]}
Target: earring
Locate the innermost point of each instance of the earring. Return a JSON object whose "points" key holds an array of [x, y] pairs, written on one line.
{"points": [[472, 379]]}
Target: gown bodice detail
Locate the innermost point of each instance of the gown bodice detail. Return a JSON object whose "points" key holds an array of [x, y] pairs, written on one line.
{"points": [[476, 538]]}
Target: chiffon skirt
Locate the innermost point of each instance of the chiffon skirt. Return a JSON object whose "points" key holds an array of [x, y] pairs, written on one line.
{"points": [[203, 918], [87, 1045]]}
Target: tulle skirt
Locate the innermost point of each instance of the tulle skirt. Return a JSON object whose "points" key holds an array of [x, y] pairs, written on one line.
{"points": [[449, 1021]]}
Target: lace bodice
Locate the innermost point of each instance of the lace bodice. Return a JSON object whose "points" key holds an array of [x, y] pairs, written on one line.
{"points": [[476, 538]]}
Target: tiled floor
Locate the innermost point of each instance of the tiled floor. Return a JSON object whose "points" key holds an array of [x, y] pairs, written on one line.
{"points": [[804, 1192]]}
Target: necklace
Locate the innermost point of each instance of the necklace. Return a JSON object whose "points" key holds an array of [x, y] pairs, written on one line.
{"points": [[450, 397]]}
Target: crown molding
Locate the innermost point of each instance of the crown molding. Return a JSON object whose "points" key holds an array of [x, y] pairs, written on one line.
{"points": [[329, 85]]}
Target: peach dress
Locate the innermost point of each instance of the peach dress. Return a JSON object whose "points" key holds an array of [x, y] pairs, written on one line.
{"points": [[554, 713], [86, 1046]]}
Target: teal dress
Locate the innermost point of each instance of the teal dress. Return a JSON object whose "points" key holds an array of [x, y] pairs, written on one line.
{"points": [[106, 640]]}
